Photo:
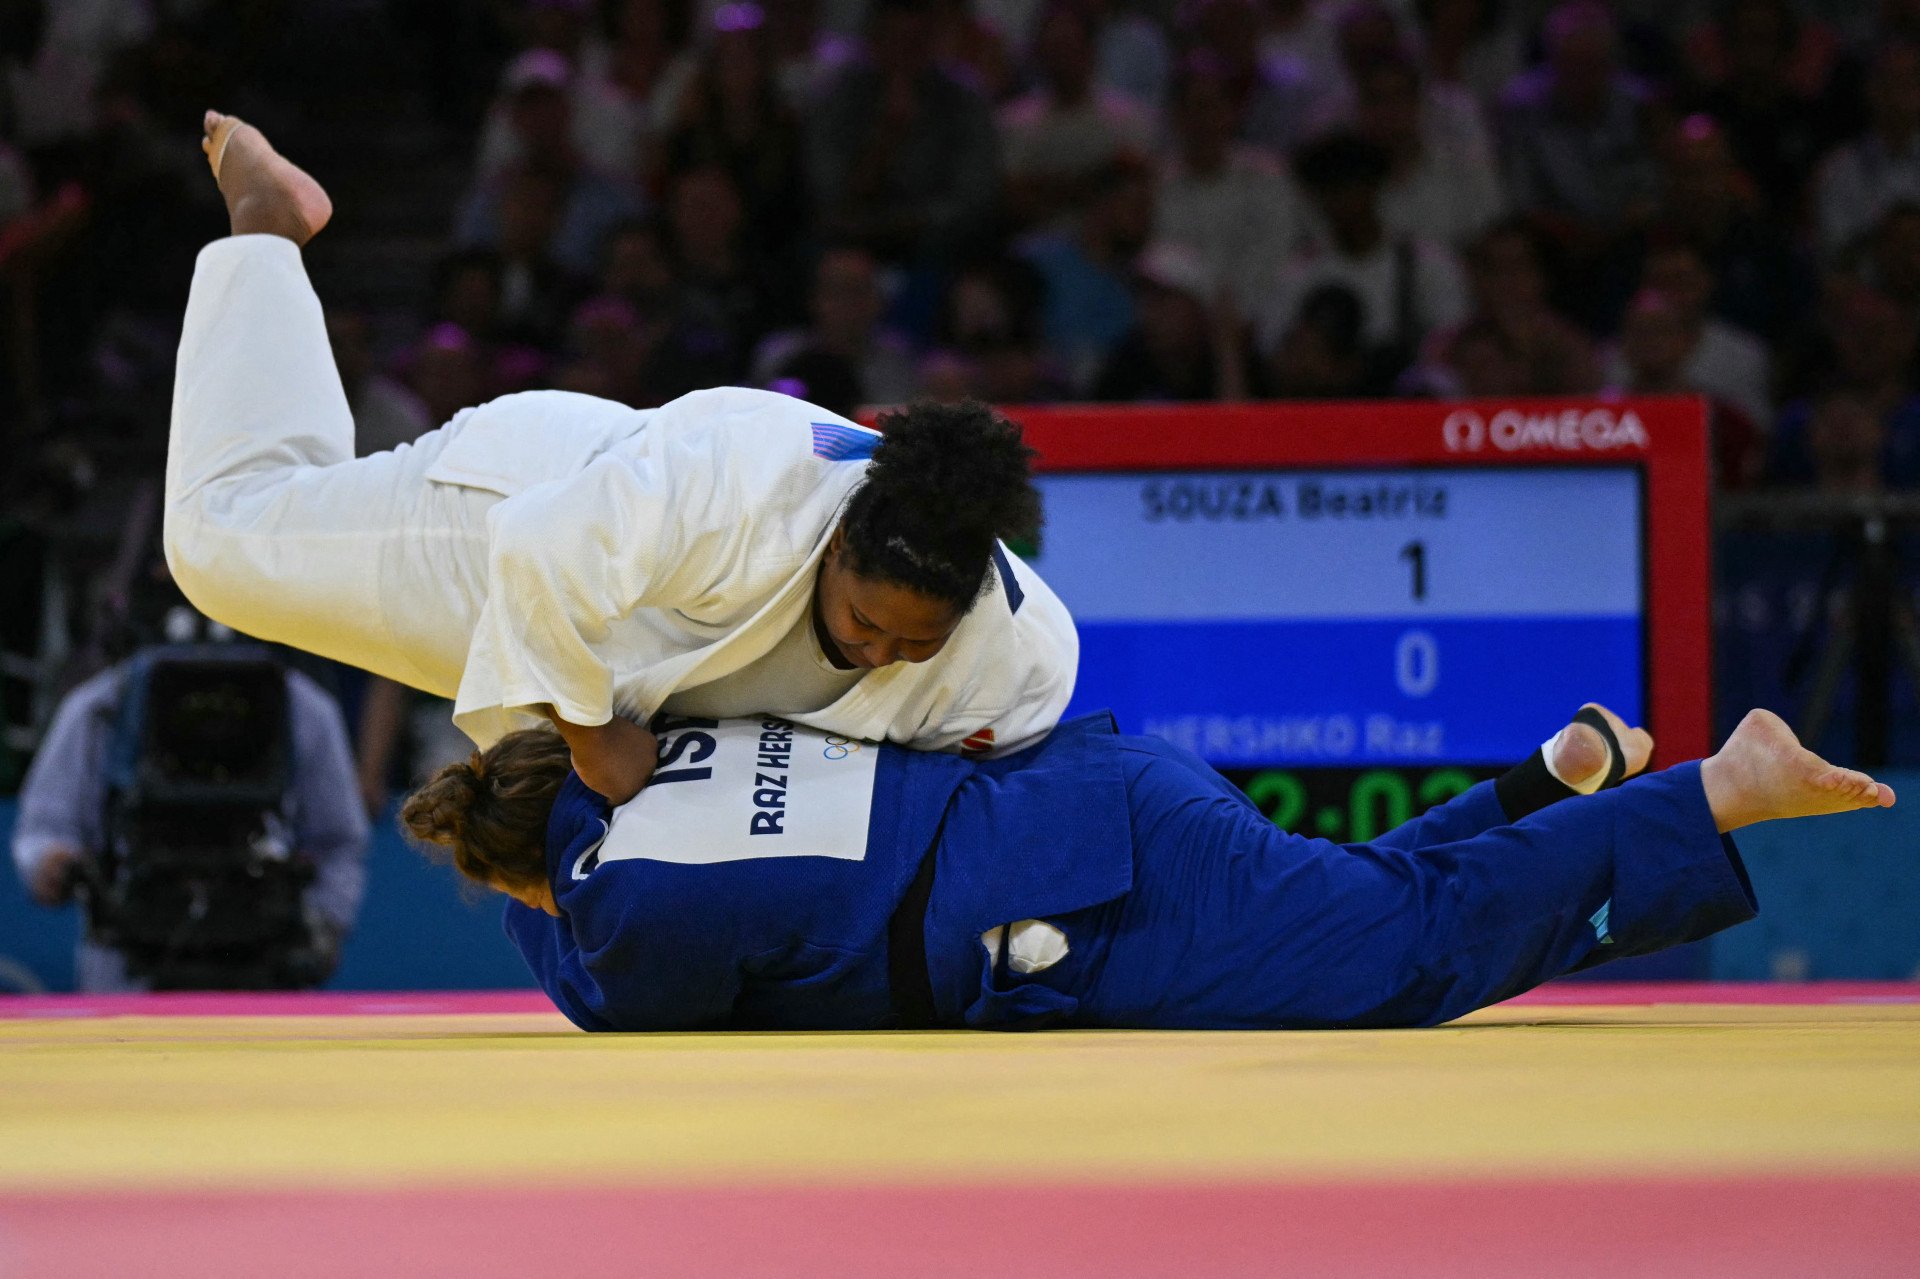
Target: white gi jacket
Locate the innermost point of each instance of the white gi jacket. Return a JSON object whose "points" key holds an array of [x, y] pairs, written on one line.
{"points": [[638, 553], [546, 548]]}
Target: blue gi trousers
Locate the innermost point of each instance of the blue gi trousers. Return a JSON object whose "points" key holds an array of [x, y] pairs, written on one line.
{"points": [[1232, 923]]}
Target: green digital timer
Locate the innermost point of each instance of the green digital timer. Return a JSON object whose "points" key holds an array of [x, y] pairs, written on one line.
{"points": [[1352, 805]]}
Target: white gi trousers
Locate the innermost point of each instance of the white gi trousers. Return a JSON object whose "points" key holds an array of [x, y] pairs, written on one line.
{"points": [[272, 526]]}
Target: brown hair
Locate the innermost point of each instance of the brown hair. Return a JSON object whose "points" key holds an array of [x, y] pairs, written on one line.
{"points": [[490, 812]]}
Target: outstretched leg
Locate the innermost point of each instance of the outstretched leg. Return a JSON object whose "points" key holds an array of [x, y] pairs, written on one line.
{"points": [[1231, 923], [271, 525]]}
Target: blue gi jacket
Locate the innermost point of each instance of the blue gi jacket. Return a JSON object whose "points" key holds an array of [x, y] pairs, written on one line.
{"points": [[788, 942]]}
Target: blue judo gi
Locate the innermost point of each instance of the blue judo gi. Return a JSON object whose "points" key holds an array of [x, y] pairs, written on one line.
{"points": [[1182, 906]]}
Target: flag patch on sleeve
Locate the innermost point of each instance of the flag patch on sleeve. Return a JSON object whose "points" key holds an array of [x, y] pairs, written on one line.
{"points": [[838, 443]]}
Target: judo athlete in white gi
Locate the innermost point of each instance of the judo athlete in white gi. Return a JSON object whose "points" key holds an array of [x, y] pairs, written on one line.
{"points": [[551, 554], [801, 881]]}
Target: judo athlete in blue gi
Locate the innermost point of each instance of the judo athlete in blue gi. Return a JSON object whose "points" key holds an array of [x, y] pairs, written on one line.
{"points": [[772, 876]]}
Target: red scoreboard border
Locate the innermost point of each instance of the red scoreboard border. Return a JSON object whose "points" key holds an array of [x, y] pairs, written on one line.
{"points": [[1664, 435]]}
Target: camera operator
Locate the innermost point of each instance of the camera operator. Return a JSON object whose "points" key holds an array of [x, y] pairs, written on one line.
{"points": [[307, 834]]}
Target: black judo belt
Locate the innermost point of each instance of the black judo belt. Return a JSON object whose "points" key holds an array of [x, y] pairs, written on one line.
{"points": [[907, 977]]}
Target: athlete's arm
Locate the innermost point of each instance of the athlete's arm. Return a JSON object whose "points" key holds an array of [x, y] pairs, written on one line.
{"points": [[566, 559], [615, 759]]}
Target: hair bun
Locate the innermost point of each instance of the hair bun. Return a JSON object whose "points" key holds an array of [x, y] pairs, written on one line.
{"points": [[437, 813]]}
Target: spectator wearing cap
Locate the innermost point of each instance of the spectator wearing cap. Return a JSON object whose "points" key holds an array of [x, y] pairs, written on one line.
{"points": [[1718, 359], [844, 307], [1225, 200], [1088, 266], [1859, 181], [585, 203], [530, 107], [1176, 351], [1406, 285], [900, 154], [448, 371], [1577, 136], [1053, 137]]}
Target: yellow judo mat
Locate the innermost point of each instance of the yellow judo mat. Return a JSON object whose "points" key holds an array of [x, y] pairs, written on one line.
{"points": [[105, 1109]]}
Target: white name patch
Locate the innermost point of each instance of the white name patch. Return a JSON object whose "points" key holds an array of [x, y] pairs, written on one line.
{"points": [[736, 789]]}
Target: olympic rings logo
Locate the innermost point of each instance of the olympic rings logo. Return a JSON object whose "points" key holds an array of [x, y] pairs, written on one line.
{"points": [[840, 747]]}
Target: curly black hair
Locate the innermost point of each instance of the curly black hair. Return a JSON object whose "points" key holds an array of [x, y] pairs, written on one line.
{"points": [[945, 482]]}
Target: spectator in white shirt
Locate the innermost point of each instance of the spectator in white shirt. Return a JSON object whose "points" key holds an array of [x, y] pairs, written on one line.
{"points": [[1444, 182], [1069, 126], [1860, 180], [1228, 202]]}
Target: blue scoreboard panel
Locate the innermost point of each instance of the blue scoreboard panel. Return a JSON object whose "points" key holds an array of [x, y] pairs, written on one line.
{"points": [[1358, 610], [1353, 617]]}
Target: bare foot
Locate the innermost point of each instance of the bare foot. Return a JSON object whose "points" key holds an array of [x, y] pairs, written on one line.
{"points": [[266, 193], [1580, 754], [1764, 773]]}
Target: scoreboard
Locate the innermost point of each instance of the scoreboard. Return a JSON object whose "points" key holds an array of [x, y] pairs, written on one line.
{"points": [[1357, 610]]}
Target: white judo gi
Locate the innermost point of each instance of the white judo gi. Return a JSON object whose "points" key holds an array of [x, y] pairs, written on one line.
{"points": [[546, 548]]}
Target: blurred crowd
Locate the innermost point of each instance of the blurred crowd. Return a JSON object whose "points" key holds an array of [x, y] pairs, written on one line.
{"points": [[866, 201]]}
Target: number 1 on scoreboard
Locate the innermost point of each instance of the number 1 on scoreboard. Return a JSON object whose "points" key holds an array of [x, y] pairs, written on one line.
{"points": [[1415, 553]]}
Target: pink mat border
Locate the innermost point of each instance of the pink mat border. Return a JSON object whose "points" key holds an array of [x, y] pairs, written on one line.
{"points": [[1736, 1227], [411, 1003]]}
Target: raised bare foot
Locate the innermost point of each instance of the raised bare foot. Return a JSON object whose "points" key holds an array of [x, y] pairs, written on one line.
{"points": [[266, 193], [1764, 773], [1580, 753]]}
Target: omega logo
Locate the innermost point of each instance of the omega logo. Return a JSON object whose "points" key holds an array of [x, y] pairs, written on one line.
{"points": [[1568, 430]]}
